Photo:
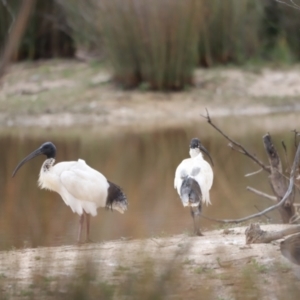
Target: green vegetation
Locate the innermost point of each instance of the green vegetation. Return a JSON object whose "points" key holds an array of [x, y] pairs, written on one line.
{"points": [[259, 267], [204, 269], [47, 34], [149, 44], [151, 278], [157, 44]]}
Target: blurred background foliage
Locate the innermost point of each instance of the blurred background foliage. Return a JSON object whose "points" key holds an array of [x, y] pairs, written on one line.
{"points": [[158, 44]]}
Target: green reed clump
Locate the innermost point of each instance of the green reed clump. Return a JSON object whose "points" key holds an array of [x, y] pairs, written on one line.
{"points": [[82, 18], [153, 43], [230, 31], [236, 31], [157, 44]]}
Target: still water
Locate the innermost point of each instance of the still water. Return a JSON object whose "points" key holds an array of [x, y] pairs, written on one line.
{"points": [[144, 165]]}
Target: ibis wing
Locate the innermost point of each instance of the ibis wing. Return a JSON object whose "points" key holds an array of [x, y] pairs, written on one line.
{"points": [[84, 183], [181, 172], [205, 176], [205, 179]]}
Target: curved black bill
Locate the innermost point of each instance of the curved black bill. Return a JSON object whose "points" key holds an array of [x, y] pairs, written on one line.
{"points": [[27, 158], [207, 153]]}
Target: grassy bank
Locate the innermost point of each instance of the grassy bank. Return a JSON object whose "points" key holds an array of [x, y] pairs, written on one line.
{"points": [[216, 266]]}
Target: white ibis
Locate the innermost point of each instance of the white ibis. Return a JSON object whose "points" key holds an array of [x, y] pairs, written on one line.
{"points": [[193, 180], [81, 187]]}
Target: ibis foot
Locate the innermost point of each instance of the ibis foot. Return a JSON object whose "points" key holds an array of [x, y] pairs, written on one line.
{"points": [[88, 241], [199, 233]]}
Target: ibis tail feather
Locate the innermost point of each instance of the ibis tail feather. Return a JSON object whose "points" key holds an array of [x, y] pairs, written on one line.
{"points": [[190, 192]]}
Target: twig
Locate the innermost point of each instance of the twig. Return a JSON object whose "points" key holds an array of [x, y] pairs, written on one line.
{"points": [[253, 173], [285, 152], [273, 198], [287, 194], [266, 216], [10, 11], [293, 5], [294, 219], [296, 133], [240, 149]]}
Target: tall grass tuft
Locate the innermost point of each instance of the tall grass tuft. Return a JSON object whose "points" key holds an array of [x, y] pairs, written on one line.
{"points": [[230, 31], [157, 44], [154, 43], [151, 42], [82, 18]]}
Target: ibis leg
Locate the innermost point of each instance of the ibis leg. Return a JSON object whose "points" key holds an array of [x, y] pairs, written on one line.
{"points": [[81, 221], [87, 240], [195, 213]]}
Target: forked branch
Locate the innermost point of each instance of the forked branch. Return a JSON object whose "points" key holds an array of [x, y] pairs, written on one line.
{"points": [[279, 204], [239, 148]]}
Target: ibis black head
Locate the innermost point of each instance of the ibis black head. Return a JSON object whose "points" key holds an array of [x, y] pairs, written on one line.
{"points": [[195, 143], [47, 149]]}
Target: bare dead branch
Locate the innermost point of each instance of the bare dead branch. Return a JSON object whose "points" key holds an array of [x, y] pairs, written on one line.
{"points": [[16, 34], [296, 5], [295, 219], [284, 146], [255, 235], [240, 148], [10, 11], [285, 154], [266, 216], [296, 134], [253, 173], [293, 4], [280, 203], [259, 193]]}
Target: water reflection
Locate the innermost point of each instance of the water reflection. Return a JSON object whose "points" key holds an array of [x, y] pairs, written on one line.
{"points": [[144, 165]]}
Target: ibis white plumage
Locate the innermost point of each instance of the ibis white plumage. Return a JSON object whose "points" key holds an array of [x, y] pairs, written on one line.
{"points": [[193, 181], [81, 187]]}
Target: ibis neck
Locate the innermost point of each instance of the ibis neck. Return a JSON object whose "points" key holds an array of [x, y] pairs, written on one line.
{"points": [[48, 164], [195, 152]]}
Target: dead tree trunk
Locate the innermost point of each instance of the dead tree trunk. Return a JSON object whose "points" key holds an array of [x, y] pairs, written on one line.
{"points": [[255, 235], [284, 191], [278, 182]]}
